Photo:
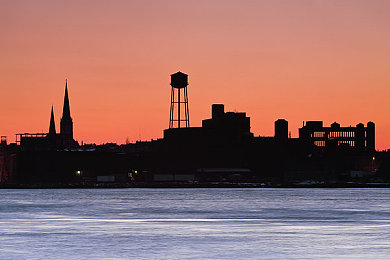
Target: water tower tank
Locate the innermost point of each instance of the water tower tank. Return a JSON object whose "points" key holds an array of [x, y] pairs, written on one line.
{"points": [[179, 80]]}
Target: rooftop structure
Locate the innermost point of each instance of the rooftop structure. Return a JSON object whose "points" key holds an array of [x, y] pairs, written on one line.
{"points": [[359, 137], [227, 126], [179, 81], [281, 129]]}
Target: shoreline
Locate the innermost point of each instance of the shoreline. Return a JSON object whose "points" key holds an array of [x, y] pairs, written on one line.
{"points": [[188, 185]]}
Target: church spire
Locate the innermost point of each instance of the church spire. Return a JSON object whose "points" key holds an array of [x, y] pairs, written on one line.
{"points": [[52, 128], [66, 125], [66, 108]]}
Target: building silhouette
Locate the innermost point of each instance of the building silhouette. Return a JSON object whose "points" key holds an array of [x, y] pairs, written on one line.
{"points": [[359, 138], [66, 130], [222, 150], [281, 129], [52, 139]]}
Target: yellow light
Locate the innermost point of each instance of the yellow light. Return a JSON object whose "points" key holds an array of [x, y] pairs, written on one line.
{"points": [[78, 173]]}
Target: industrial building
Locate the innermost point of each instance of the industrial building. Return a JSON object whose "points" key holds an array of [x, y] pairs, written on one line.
{"points": [[223, 149], [360, 138]]}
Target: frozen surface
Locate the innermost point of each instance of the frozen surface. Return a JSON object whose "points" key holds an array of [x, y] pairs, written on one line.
{"points": [[195, 224]]}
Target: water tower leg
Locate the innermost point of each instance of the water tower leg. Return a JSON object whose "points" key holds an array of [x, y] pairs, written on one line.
{"points": [[178, 108], [171, 108], [186, 108]]}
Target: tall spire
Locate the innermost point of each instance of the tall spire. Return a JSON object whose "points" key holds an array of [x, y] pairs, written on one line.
{"points": [[52, 128], [66, 130], [66, 108]]}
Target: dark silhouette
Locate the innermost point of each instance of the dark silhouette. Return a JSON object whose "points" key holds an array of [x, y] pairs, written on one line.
{"points": [[51, 140], [66, 122], [179, 81], [223, 151], [52, 127], [281, 129], [359, 137]]}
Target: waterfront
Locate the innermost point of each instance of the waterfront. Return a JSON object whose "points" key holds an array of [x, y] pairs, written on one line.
{"points": [[195, 224]]}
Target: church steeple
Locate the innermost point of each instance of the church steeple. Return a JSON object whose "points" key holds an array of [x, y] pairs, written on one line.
{"points": [[66, 121], [66, 109], [52, 128]]}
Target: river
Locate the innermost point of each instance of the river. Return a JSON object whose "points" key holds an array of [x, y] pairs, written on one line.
{"points": [[195, 224]]}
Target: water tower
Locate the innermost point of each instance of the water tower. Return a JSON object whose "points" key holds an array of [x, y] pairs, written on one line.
{"points": [[179, 113]]}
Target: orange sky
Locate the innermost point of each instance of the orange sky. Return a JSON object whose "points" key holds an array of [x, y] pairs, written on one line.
{"points": [[299, 60]]}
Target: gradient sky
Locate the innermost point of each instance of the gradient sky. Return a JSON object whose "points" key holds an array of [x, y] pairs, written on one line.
{"points": [[299, 60]]}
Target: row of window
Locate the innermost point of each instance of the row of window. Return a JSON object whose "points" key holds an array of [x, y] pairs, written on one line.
{"points": [[348, 134], [322, 143]]}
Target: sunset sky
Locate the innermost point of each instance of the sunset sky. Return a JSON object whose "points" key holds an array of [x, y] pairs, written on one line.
{"points": [[298, 60]]}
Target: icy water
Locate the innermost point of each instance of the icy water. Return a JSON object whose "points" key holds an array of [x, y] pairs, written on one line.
{"points": [[195, 224]]}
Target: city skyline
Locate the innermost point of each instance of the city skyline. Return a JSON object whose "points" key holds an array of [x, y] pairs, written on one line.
{"points": [[298, 60]]}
